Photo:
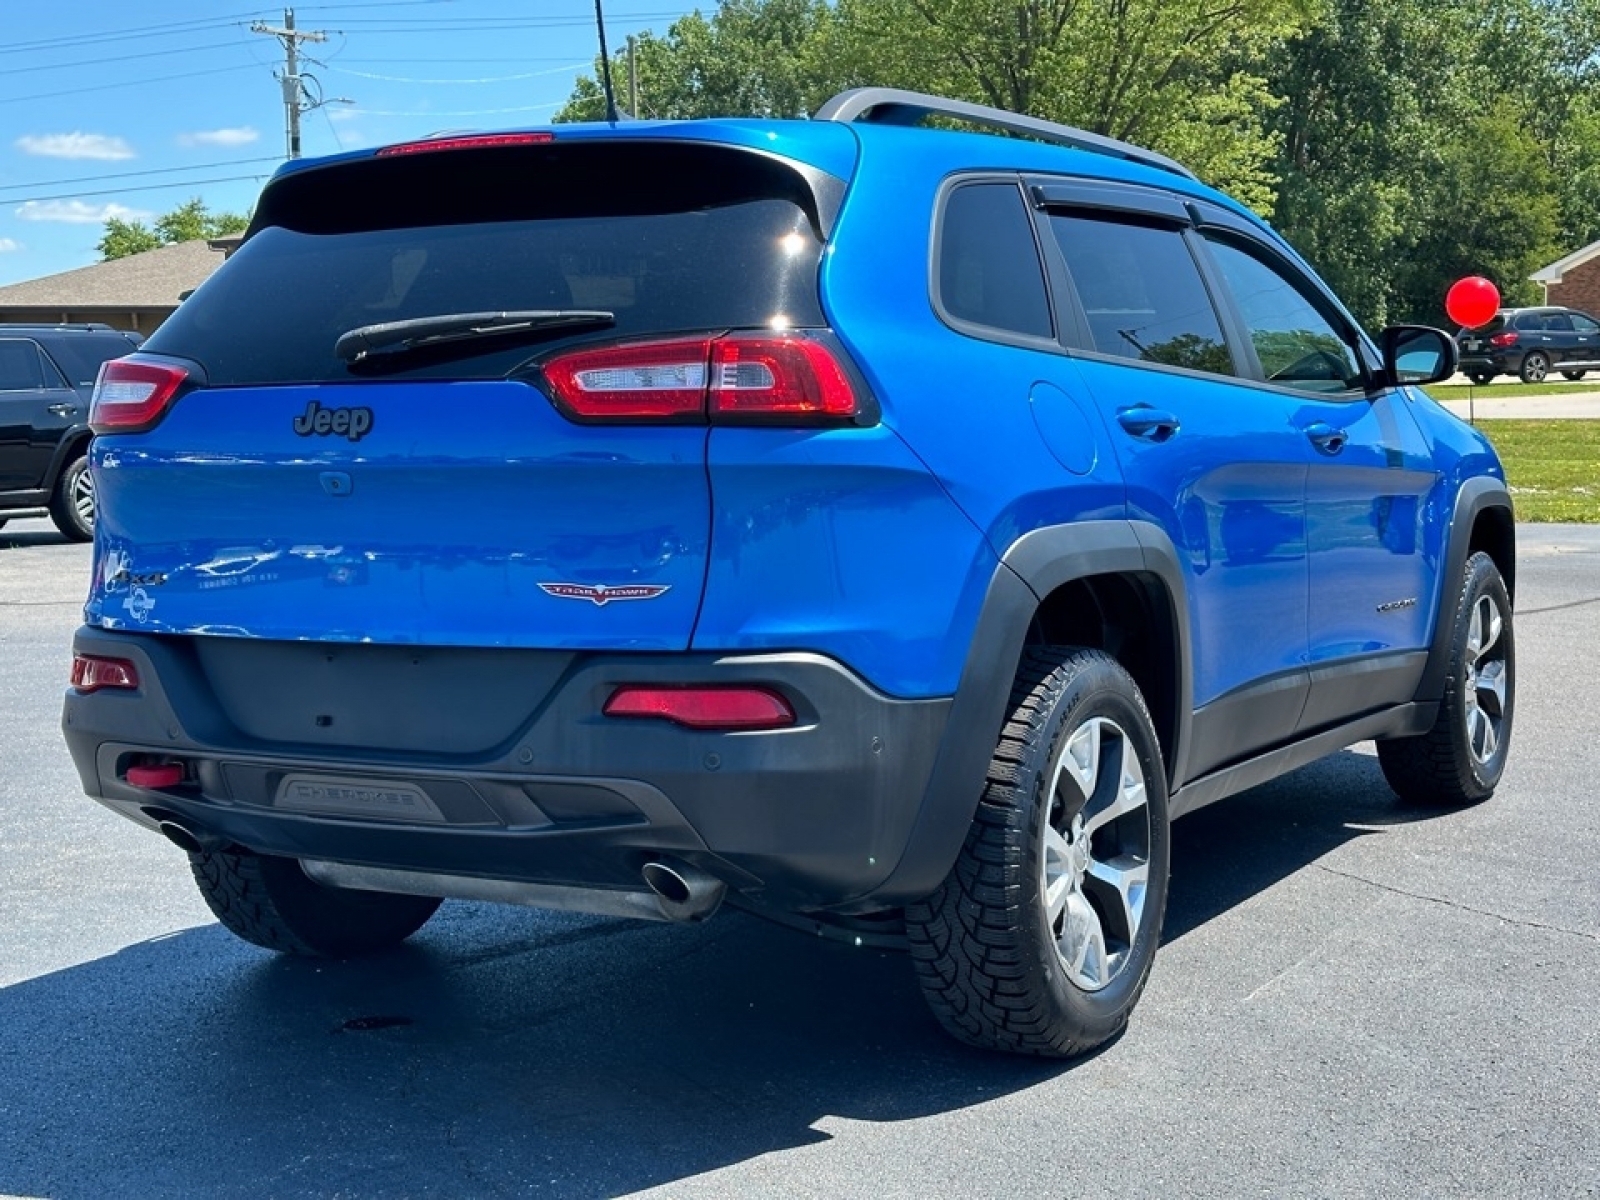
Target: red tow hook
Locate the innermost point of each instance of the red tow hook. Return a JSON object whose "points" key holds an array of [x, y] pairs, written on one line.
{"points": [[155, 775]]}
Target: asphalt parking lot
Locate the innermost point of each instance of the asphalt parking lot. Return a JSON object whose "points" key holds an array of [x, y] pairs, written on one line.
{"points": [[1354, 999]]}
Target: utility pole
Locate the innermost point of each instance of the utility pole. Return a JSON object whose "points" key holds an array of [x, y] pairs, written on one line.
{"points": [[294, 102], [633, 79]]}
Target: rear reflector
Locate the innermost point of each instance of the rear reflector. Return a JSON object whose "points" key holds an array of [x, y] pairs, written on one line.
{"points": [[90, 674], [703, 707], [480, 141], [132, 394], [155, 775], [756, 378]]}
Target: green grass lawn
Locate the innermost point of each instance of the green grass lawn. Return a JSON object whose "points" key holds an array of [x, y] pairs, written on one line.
{"points": [[1460, 391], [1553, 467]]}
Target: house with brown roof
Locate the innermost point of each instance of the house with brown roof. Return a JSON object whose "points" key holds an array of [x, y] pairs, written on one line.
{"points": [[1573, 281], [135, 293]]}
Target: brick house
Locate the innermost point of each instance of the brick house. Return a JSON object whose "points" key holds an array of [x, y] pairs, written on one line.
{"points": [[1573, 281]]}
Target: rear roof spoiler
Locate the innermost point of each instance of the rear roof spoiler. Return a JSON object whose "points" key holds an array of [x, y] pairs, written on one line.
{"points": [[891, 106]]}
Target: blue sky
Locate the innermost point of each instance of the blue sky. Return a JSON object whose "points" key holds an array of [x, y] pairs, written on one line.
{"points": [[116, 109]]}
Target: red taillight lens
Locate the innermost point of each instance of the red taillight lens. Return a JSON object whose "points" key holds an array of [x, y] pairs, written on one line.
{"points": [[90, 673], [132, 394], [642, 381], [478, 141], [766, 378], [1503, 339], [155, 775], [726, 708]]}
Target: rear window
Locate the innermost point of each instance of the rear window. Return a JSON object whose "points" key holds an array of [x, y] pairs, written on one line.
{"points": [[670, 238], [80, 357]]}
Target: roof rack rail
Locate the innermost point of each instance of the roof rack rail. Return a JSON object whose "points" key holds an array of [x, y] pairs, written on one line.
{"points": [[891, 106]]}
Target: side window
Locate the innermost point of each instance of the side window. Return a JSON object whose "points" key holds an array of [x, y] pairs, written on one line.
{"points": [[1529, 322], [989, 269], [1297, 345], [1558, 323], [20, 368], [1583, 324], [1142, 293]]}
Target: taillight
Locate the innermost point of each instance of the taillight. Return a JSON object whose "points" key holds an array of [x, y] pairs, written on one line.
{"points": [[787, 378], [477, 141], [705, 708], [764, 376], [132, 394], [1508, 338], [90, 673], [642, 381]]}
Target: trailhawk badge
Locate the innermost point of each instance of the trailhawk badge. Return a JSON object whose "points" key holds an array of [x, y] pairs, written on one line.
{"points": [[599, 593]]}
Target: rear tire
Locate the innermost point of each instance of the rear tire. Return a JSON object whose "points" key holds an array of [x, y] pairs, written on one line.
{"points": [[1460, 760], [271, 902], [1535, 366], [1574, 375], [1041, 938], [72, 503], [1481, 378]]}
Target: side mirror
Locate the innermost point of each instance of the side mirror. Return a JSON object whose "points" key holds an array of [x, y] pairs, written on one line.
{"points": [[1415, 354]]}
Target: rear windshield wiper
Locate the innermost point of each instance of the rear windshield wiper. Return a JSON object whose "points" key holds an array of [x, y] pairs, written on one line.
{"points": [[398, 336]]}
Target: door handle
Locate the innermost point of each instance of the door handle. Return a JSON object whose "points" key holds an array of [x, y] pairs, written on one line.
{"points": [[63, 410], [1150, 424], [1326, 438]]}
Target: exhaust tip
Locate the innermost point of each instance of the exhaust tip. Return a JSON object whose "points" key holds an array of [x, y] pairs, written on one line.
{"points": [[180, 837], [683, 892]]}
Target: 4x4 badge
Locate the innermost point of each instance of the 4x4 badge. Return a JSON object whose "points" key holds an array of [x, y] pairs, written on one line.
{"points": [[599, 593]]}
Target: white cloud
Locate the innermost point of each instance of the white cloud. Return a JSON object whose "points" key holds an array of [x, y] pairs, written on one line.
{"points": [[76, 212], [343, 113], [76, 145], [242, 136], [7, 245]]}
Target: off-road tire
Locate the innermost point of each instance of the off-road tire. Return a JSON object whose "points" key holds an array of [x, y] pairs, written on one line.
{"points": [[1445, 767], [271, 902], [1535, 367], [984, 946], [65, 501]]}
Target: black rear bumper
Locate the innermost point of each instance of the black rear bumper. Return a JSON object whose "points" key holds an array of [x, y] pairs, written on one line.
{"points": [[813, 817]]}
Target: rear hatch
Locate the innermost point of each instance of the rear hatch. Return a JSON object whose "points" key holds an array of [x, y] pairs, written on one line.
{"points": [[329, 468], [1476, 341]]}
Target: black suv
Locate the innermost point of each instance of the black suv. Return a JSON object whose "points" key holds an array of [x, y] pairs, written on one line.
{"points": [[47, 374], [1530, 343]]}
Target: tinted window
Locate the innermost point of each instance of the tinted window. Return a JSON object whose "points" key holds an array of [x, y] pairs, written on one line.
{"points": [[989, 271], [668, 242], [1583, 324], [20, 368], [1297, 345], [1142, 293], [80, 357], [1529, 322], [1558, 322]]}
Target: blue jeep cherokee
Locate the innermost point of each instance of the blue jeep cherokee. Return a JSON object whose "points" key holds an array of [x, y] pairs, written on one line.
{"points": [[886, 529]]}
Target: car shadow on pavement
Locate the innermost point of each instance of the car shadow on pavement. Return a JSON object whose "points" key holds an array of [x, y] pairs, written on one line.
{"points": [[530, 1053], [1239, 847]]}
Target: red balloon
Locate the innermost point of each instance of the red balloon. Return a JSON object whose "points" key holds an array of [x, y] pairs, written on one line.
{"points": [[1472, 301]]}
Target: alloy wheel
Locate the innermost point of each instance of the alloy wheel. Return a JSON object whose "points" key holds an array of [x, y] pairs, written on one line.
{"points": [[1095, 869], [1487, 678]]}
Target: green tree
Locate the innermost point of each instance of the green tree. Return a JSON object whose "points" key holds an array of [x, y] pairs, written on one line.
{"points": [[122, 238], [1184, 79], [186, 223]]}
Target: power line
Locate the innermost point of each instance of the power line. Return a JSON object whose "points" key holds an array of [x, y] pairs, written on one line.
{"points": [[567, 66], [148, 187], [106, 87], [134, 34], [120, 58], [212, 166]]}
